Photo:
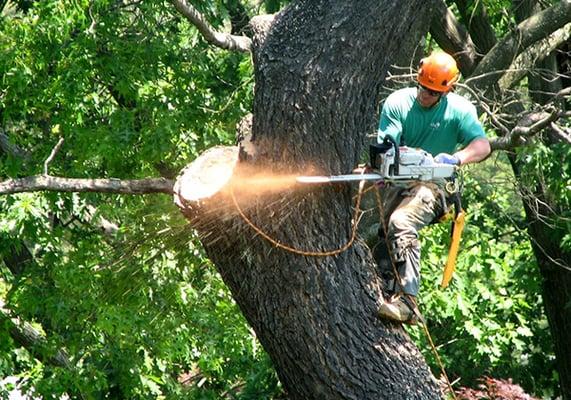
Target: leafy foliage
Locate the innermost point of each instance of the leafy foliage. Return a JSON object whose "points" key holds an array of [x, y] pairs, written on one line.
{"points": [[138, 308], [491, 316], [135, 92], [548, 168]]}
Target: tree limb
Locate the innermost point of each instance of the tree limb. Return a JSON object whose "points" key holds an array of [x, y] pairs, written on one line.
{"points": [[475, 17], [28, 337], [58, 184], [453, 38], [521, 133], [220, 39], [491, 68], [17, 257], [527, 59], [560, 133]]}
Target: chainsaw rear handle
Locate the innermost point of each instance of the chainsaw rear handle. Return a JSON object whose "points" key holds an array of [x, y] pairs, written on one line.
{"points": [[376, 149]]}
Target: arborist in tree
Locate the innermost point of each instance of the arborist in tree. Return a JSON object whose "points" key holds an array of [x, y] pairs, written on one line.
{"points": [[440, 122]]}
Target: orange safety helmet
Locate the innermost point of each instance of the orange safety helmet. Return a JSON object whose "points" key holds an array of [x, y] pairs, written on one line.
{"points": [[438, 72]]}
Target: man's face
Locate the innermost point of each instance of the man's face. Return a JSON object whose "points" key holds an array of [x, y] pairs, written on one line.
{"points": [[427, 97]]}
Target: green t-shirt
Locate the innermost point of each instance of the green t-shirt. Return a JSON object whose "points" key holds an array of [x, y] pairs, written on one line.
{"points": [[451, 123]]}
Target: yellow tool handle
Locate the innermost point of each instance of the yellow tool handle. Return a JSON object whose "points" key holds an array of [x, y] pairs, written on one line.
{"points": [[454, 246]]}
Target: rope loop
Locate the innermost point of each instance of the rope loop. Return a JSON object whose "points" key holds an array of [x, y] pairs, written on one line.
{"points": [[307, 253]]}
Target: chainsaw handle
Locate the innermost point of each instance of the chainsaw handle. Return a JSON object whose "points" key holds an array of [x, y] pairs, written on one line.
{"points": [[393, 142]]}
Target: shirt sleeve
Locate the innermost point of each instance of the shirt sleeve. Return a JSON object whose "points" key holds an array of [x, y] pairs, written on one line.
{"points": [[470, 127], [389, 122]]}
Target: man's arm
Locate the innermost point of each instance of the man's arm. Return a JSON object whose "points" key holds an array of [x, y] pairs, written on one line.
{"points": [[476, 151], [390, 121]]}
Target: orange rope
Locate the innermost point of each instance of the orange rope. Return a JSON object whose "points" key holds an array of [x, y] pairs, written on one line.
{"points": [[345, 247], [440, 364], [306, 252]]}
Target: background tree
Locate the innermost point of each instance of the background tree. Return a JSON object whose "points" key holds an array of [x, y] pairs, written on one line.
{"points": [[153, 313], [542, 171]]}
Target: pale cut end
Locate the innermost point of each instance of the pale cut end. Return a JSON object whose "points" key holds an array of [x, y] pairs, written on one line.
{"points": [[206, 176]]}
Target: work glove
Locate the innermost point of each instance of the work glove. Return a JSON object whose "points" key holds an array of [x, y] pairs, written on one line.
{"points": [[445, 158]]}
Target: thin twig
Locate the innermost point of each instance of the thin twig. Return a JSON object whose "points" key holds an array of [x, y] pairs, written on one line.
{"points": [[220, 39], [53, 154]]}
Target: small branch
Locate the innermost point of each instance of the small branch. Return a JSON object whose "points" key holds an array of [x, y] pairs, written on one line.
{"points": [[220, 39], [519, 135], [103, 224], [53, 154], [486, 108], [57, 184], [560, 133], [561, 94]]}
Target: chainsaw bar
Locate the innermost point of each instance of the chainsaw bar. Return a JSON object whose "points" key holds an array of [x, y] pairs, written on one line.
{"points": [[339, 178]]}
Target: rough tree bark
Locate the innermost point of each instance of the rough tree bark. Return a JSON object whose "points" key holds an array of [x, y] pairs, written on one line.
{"points": [[318, 73]]}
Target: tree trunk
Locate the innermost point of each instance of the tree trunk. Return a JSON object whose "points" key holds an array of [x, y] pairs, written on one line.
{"points": [[475, 18], [541, 210], [554, 264], [318, 74]]}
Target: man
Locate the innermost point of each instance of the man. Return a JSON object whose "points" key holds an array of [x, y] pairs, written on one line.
{"points": [[432, 118]]}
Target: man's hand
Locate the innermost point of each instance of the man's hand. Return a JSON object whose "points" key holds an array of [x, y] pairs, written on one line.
{"points": [[445, 158]]}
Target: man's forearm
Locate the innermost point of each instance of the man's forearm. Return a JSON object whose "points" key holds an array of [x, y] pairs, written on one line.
{"points": [[475, 152]]}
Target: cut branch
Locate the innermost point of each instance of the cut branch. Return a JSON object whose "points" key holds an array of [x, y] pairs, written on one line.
{"points": [[220, 39], [58, 184]]}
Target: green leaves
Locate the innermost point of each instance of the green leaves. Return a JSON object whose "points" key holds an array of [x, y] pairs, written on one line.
{"points": [[492, 314], [135, 92]]}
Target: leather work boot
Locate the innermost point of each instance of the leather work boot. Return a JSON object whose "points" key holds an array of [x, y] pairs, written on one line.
{"points": [[401, 308]]}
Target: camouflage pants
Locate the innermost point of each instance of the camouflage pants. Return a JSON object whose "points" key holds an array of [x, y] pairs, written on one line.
{"points": [[407, 211]]}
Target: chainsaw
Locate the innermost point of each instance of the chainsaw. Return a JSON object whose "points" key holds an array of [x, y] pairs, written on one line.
{"points": [[392, 163]]}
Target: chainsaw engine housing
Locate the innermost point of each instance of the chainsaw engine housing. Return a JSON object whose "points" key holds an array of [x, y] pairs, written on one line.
{"points": [[407, 163]]}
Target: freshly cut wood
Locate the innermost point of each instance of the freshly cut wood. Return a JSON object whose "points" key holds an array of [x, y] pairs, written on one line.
{"points": [[206, 176], [218, 171]]}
